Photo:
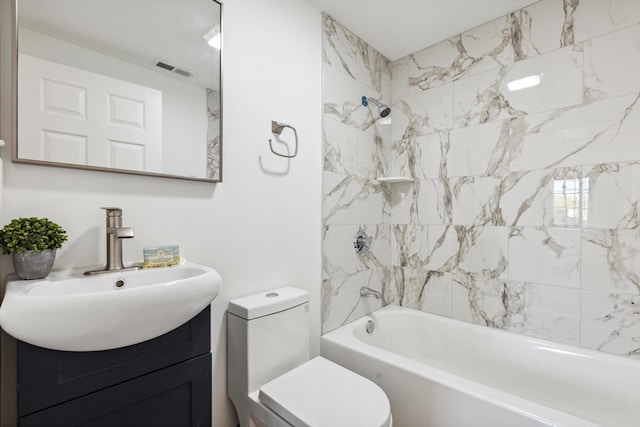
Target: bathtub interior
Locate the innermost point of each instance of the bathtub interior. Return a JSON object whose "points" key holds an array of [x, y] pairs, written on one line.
{"points": [[590, 385]]}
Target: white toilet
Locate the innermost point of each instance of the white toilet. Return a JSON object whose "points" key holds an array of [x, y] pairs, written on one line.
{"points": [[271, 380]]}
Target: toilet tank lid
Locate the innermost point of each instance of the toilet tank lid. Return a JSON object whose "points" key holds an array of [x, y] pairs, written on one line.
{"points": [[269, 302]]}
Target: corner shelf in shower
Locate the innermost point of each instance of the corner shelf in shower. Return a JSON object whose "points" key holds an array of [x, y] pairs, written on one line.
{"points": [[395, 179]]}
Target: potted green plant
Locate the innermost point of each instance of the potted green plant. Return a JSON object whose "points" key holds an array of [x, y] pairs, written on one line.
{"points": [[32, 243]]}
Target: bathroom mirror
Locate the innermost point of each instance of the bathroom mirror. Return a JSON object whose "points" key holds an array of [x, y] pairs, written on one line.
{"points": [[129, 86]]}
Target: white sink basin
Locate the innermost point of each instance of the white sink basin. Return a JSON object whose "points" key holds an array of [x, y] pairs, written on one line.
{"points": [[69, 311]]}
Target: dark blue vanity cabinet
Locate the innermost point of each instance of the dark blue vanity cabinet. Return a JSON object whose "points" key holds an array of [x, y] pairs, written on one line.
{"points": [[165, 381]]}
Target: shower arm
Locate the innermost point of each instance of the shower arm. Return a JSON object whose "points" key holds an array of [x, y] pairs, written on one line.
{"points": [[375, 101], [366, 100]]}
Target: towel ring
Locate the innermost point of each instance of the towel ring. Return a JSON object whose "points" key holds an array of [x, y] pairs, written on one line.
{"points": [[277, 128]]}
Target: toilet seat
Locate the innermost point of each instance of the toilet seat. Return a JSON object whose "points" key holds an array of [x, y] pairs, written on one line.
{"points": [[320, 393]]}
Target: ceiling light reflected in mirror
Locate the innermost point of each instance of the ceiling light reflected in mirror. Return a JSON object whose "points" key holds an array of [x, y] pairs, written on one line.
{"points": [[213, 37]]}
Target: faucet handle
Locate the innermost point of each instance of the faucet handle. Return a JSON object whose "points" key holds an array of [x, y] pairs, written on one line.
{"points": [[113, 211]]}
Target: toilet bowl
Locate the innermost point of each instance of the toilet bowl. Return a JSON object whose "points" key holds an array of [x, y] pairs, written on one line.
{"points": [[273, 382]]}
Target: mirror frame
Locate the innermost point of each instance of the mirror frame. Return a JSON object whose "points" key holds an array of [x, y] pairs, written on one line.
{"points": [[14, 115]]}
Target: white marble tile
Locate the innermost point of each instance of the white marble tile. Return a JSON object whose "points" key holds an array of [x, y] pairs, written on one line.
{"points": [[349, 54], [437, 294], [546, 25], [387, 211], [537, 29], [478, 99], [435, 65], [435, 202], [593, 18], [472, 52], [339, 47], [350, 151], [475, 200], [542, 198], [485, 97], [423, 113], [478, 150], [477, 299], [611, 64], [402, 198], [340, 148], [611, 260], [612, 185], [561, 81], [382, 128], [431, 155], [341, 301], [420, 157], [541, 311], [600, 132], [424, 290], [483, 250], [381, 146], [550, 312], [339, 256], [342, 100], [351, 200], [611, 322], [403, 158], [375, 70], [488, 45], [400, 78], [424, 247], [545, 255]]}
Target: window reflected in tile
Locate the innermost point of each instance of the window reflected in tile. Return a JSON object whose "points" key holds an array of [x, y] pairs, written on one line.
{"points": [[569, 207]]}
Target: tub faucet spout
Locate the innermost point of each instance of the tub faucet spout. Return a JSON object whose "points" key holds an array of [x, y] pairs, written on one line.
{"points": [[368, 292]]}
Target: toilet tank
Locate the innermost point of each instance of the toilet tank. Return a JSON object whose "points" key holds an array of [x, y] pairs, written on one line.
{"points": [[268, 335]]}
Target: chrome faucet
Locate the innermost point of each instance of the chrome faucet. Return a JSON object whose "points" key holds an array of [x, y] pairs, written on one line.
{"points": [[368, 292], [115, 233]]}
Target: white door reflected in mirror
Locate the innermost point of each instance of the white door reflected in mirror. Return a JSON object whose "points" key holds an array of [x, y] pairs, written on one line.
{"points": [[143, 99]]}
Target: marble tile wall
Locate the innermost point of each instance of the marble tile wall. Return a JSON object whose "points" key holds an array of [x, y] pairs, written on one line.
{"points": [[213, 134], [525, 210], [356, 149]]}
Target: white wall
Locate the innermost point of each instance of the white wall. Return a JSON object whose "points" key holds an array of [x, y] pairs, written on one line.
{"points": [[260, 228]]}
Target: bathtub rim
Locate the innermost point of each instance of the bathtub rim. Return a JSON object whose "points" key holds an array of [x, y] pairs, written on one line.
{"points": [[565, 348], [344, 338]]}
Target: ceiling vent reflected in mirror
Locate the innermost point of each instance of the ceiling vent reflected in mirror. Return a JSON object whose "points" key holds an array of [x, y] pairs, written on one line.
{"points": [[168, 67]]}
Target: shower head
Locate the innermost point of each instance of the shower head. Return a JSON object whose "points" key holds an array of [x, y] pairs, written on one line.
{"points": [[383, 109]]}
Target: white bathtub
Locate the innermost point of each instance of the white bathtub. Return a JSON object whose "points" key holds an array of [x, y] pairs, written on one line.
{"points": [[440, 372]]}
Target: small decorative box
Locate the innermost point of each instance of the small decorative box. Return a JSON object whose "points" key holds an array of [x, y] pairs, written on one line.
{"points": [[161, 256]]}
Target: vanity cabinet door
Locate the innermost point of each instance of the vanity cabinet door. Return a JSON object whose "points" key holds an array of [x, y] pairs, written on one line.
{"points": [[179, 395], [50, 377]]}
